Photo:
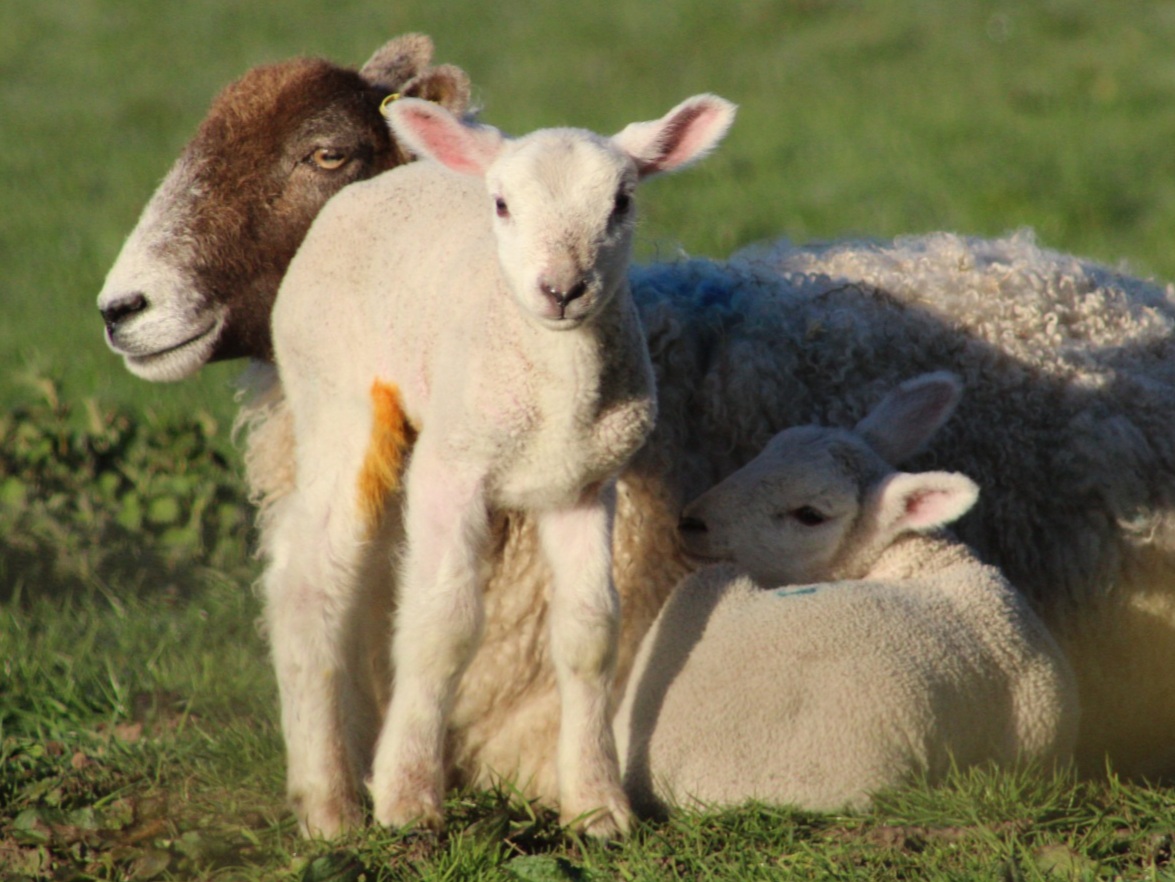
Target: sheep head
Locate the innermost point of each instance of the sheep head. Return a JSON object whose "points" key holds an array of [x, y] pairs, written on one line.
{"points": [[196, 280], [821, 503], [562, 199]]}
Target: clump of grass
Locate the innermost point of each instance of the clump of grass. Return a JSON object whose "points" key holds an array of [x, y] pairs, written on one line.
{"points": [[93, 498], [138, 737]]}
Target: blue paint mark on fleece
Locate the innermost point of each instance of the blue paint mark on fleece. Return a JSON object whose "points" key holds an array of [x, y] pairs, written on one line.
{"points": [[703, 287], [797, 592]]}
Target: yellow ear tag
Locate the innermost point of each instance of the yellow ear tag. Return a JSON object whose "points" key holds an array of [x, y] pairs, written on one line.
{"points": [[383, 105]]}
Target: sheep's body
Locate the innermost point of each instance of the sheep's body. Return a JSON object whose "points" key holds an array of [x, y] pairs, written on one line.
{"points": [[505, 354], [851, 646], [820, 696]]}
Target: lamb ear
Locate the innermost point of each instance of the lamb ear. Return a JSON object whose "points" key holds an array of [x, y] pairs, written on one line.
{"points": [[901, 424], [428, 130], [685, 134], [397, 61], [905, 502], [445, 84]]}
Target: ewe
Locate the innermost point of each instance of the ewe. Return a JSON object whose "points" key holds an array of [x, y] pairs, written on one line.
{"points": [[892, 653], [477, 307], [196, 279], [1069, 366]]}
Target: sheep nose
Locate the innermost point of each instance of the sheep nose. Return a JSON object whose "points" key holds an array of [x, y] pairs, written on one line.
{"points": [[690, 524], [115, 312], [561, 295]]}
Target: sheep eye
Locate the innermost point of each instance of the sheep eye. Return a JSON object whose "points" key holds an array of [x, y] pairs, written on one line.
{"points": [[501, 207], [622, 204], [808, 516], [328, 158]]}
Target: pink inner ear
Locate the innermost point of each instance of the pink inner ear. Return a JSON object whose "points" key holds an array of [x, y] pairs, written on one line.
{"points": [[682, 139], [445, 140], [689, 134], [929, 507]]}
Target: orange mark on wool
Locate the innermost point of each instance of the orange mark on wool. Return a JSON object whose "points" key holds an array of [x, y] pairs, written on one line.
{"points": [[391, 439]]}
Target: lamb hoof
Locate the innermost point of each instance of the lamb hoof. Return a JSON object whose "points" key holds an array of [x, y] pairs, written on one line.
{"points": [[326, 819], [408, 812], [609, 821]]}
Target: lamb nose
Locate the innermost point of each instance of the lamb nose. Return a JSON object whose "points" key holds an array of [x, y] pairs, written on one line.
{"points": [[562, 298], [120, 309]]}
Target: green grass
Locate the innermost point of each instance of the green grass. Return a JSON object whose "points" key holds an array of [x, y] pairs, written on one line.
{"points": [[137, 712]]}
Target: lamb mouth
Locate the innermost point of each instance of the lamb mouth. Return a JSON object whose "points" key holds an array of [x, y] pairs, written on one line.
{"points": [[562, 322], [697, 559]]}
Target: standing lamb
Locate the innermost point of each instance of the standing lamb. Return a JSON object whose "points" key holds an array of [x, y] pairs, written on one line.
{"points": [[1069, 366], [892, 653], [478, 305]]}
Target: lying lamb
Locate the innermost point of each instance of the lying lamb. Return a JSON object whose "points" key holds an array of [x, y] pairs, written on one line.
{"points": [[892, 653], [1069, 366], [476, 307]]}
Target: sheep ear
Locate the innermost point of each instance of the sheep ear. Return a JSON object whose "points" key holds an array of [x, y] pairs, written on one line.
{"points": [[685, 134], [918, 502], [444, 84], [428, 130], [907, 418], [397, 61]]}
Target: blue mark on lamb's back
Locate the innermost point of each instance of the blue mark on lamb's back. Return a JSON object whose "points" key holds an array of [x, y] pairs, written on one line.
{"points": [[796, 592]]}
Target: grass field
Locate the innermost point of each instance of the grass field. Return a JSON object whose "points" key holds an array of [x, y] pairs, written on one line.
{"points": [[138, 730]]}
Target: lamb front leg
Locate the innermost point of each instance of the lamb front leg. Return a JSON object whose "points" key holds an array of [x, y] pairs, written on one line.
{"points": [[585, 624], [438, 626], [309, 588]]}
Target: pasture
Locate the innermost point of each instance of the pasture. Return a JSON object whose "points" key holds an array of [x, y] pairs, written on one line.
{"points": [[138, 730]]}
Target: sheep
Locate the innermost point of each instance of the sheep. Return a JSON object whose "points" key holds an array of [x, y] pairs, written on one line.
{"points": [[1065, 427], [471, 315], [839, 642], [196, 279]]}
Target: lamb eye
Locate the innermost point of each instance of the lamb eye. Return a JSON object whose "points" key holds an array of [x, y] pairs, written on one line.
{"points": [[622, 204], [328, 158], [501, 207], [808, 516]]}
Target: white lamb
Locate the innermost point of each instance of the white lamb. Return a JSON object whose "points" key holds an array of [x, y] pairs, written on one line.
{"points": [[892, 652], [476, 310]]}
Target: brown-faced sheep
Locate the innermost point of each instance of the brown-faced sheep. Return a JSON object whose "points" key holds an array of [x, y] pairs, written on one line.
{"points": [[197, 278]]}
